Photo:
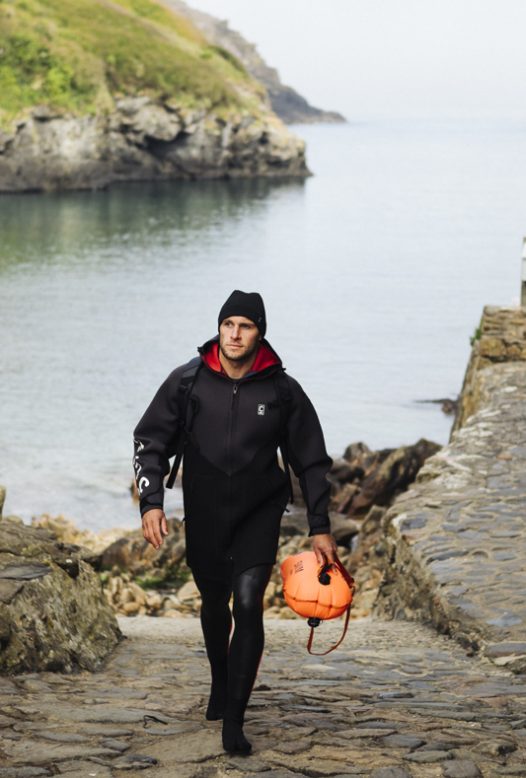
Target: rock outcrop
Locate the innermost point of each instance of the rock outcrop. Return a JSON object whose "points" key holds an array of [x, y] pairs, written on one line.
{"points": [[285, 101], [53, 614], [363, 478], [144, 139], [84, 108]]}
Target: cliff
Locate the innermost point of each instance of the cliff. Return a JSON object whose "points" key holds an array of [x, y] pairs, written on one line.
{"points": [[95, 92], [285, 101]]}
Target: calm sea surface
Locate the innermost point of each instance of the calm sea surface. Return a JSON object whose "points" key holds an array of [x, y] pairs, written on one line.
{"points": [[374, 272]]}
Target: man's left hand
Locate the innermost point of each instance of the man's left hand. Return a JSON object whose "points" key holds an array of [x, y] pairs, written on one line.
{"points": [[324, 546]]}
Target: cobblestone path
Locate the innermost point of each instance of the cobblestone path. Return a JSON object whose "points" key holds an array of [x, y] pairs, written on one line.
{"points": [[394, 701]]}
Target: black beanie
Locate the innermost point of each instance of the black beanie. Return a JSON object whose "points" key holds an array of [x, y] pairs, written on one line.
{"points": [[248, 304]]}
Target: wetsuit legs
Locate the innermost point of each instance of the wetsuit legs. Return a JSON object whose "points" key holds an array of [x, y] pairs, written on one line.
{"points": [[233, 668], [216, 622], [245, 652]]}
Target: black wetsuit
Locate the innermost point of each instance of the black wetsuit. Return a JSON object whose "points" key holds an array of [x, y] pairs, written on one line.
{"points": [[234, 496], [234, 490]]}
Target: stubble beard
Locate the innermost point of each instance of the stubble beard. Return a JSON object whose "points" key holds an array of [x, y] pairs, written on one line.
{"points": [[239, 358]]}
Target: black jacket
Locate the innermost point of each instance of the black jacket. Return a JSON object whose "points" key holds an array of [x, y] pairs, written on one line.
{"points": [[234, 490]]}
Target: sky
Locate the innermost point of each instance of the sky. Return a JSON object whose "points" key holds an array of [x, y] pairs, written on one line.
{"points": [[392, 58]]}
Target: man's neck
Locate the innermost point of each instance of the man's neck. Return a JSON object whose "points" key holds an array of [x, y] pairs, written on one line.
{"points": [[235, 369]]}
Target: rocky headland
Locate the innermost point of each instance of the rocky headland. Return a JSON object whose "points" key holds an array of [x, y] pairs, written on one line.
{"points": [[288, 104], [82, 108]]}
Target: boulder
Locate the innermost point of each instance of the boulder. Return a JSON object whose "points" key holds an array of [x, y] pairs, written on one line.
{"points": [[364, 478], [394, 474], [134, 555], [53, 613]]}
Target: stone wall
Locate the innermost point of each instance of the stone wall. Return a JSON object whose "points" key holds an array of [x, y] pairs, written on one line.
{"points": [[454, 546], [500, 337]]}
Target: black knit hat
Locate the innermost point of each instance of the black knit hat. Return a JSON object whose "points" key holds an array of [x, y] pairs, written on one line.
{"points": [[248, 304]]}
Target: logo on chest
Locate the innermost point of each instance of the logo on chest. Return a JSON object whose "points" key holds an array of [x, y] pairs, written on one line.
{"points": [[261, 409]]}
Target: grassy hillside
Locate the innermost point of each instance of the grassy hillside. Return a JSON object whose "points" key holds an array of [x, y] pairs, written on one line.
{"points": [[78, 55]]}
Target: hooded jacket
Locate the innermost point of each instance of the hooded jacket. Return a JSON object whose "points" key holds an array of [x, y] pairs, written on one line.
{"points": [[234, 489]]}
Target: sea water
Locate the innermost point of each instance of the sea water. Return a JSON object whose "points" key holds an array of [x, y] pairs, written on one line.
{"points": [[374, 272]]}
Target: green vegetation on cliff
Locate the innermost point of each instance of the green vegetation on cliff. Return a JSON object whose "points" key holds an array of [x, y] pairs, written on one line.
{"points": [[78, 55]]}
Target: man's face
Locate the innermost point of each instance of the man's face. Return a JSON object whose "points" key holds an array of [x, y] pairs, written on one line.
{"points": [[238, 338]]}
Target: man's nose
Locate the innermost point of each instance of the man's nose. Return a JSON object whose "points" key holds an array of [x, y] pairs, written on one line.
{"points": [[236, 332]]}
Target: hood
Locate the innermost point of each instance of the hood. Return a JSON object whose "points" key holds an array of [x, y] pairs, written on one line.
{"points": [[266, 357]]}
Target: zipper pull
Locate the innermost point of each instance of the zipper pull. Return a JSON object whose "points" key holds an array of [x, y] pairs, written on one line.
{"points": [[235, 388]]}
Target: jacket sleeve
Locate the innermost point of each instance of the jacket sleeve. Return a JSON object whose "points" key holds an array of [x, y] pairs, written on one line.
{"points": [[154, 440], [309, 459]]}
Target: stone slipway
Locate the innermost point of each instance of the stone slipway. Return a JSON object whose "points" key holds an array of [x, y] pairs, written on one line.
{"points": [[395, 700], [455, 544]]}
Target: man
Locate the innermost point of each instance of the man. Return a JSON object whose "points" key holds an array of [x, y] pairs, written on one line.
{"points": [[241, 407]]}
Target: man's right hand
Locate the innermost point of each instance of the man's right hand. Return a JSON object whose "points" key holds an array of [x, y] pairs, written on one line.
{"points": [[154, 526]]}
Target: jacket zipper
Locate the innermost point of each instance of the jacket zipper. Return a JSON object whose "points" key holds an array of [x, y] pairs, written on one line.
{"points": [[231, 428], [229, 444]]}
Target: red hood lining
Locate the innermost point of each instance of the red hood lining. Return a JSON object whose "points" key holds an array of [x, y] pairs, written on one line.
{"points": [[265, 357]]}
